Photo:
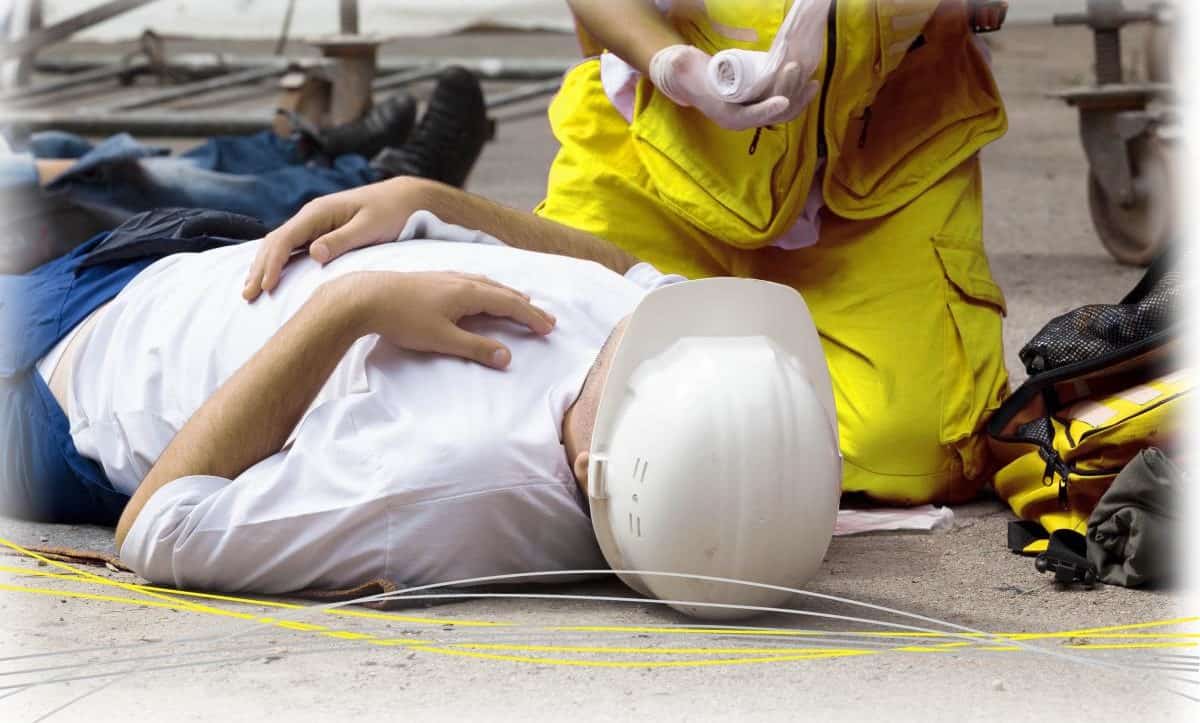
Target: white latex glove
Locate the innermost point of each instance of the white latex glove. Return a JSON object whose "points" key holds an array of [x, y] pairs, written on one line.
{"points": [[681, 73]]}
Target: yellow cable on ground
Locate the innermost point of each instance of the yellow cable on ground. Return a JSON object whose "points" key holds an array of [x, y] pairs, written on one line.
{"points": [[170, 599]]}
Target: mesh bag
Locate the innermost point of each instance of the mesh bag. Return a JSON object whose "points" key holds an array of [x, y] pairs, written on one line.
{"points": [[1099, 330], [1105, 382]]}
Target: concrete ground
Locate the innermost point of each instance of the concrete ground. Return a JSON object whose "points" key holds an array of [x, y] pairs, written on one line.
{"points": [[1104, 653]]}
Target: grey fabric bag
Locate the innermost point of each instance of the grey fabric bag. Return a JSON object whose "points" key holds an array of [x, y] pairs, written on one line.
{"points": [[1132, 533]]}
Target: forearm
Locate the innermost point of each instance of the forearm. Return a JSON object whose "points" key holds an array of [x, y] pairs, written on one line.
{"points": [[634, 30], [252, 414], [519, 229]]}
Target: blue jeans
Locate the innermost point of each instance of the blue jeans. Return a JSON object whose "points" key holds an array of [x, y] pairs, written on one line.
{"points": [[42, 476], [260, 175]]}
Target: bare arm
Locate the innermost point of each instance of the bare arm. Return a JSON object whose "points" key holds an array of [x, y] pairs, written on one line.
{"points": [[376, 214], [251, 415], [519, 229], [633, 30]]}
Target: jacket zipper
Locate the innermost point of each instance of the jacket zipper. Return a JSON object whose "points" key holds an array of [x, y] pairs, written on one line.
{"points": [[831, 53]]}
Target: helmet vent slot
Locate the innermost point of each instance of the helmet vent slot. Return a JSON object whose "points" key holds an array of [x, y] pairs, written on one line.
{"points": [[639, 469]]}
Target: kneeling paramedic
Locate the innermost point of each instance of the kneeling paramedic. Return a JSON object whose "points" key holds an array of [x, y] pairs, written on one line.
{"points": [[851, 176], [421, 412]]}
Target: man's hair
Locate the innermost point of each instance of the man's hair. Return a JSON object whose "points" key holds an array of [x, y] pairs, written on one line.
{"points": [[606, 350]]}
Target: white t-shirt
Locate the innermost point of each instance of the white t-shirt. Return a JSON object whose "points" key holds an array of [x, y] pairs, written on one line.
{"points": [[410, 467]]}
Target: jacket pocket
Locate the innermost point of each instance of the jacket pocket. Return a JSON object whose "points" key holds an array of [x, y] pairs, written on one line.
{"points": [[975, 378], [708, 175], [937, 106]]}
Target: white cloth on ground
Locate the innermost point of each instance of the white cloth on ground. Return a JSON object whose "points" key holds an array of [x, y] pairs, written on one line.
{"points": [[409, 467], [925, 518]]}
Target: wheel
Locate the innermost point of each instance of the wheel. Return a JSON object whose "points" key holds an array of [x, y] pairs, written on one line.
{"points": [[1136, 234]]}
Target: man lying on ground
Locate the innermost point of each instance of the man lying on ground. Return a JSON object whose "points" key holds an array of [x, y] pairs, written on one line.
{"points": [[57, 189], [382, 417]]}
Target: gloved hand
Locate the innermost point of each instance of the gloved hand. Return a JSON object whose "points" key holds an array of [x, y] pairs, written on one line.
{"points": [[681, 73]]}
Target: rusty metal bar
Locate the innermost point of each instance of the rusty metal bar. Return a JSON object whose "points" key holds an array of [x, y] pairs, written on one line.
{"points": [[73, 81], [527, 92], [23, 18], [201, 87], [66, 28], [348, 11], [355, 62], [490, 68], [405, 77], [96, 121]]}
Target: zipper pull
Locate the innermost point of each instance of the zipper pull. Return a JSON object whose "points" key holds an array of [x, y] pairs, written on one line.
{"points": [[1063, 499], [754, 141], [1048, 473]]}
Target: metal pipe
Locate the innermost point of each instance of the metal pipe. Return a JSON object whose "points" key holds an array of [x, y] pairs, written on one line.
{"points": [[349, 17], [286, 31], [96, 121], [73, 80], [491, 68], [527, 92], [201, 87], [23, 18], [405, 77], [355, 63], [66, 28]]}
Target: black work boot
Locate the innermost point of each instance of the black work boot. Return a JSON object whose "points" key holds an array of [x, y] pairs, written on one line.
{"points": [[387, 124], [449, 137]]}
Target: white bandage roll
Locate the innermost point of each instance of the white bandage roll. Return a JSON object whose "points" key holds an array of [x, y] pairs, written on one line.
{"points": [[741, 76], [747, 76]]}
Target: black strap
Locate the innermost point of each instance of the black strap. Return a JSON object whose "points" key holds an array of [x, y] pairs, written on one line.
{"points": [[1023, 533], [1066, 557]]}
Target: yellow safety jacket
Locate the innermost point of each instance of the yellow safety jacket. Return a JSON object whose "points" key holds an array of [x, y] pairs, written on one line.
{"points": [[889, 121]]}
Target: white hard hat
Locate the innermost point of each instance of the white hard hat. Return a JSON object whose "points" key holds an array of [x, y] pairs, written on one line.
{"points": [[715, 449]]}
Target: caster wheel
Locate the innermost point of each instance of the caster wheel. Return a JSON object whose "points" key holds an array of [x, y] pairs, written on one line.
{"points": [[1136, 234]]}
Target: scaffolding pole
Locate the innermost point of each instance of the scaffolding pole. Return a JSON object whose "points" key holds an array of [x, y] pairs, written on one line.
{"points": [[201, 87], [96, 122], [66, 28], [73, 81], [488, 68], [349, 17]]}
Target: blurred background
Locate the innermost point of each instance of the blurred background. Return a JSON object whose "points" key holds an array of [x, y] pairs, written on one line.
{"points": [[1079, 195], [261, 18]]}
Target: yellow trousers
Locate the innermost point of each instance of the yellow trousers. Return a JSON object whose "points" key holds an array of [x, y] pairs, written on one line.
{"points": [[908, 313]]}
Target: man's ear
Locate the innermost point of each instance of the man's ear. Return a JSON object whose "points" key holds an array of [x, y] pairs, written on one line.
{"points": [[580, 467]]}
